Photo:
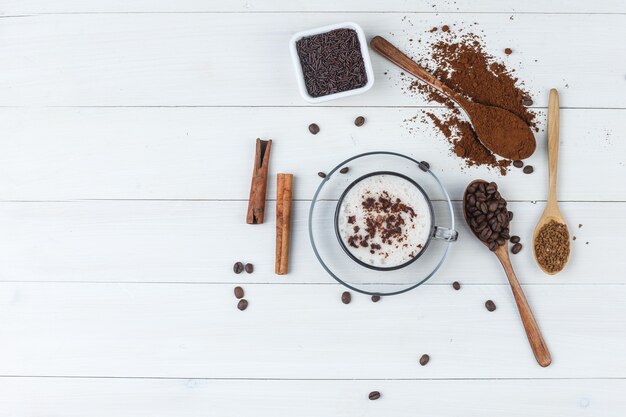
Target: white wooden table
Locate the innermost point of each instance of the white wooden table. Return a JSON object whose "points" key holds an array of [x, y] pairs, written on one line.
{"points": [[126, 146]]}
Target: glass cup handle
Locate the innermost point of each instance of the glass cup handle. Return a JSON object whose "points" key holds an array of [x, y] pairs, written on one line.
{"points": [[444, 233]]}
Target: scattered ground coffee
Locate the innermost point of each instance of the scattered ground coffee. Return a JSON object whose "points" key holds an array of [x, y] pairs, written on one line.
{"points": [[552, 246], [490, 305], [332, 62], [486, 213], [462, 63], [424, 360]]}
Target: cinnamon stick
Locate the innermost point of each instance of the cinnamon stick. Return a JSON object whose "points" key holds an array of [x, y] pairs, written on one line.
{"points": [[258, 187], [283, 221]]}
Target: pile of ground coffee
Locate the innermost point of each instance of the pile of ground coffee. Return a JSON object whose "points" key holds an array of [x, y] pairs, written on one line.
{"points": [[461, 62], [332, 62], [552, 246]]}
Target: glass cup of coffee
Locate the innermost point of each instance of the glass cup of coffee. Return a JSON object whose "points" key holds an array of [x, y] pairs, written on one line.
{"points": [[385, 221]]}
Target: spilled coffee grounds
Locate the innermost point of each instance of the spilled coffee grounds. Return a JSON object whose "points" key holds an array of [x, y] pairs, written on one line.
{"points": [[462, 63], [332, 62]]}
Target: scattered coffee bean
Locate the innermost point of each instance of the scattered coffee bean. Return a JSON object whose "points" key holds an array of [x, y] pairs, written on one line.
{"points": [[346, 297], [490, 305], [424, 166], [359, 121], [424, 359], [249, 268], [527, 101], [528, 169], [516, 248], [242, 304], [321, 174], [445, 28], [314, 129], [518, 163], [238, 292], [344, 170], [515, 239], [238, 268], [374, 395], [508, 51], [456, 285], [375, 298]]}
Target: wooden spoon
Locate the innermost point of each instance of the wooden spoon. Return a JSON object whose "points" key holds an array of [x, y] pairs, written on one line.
{"points": [[496, 128], [538, 345], [551, 212]]}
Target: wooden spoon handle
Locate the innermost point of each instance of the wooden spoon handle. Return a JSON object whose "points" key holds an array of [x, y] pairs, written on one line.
{"points": [[553, 144], [393, 54], [537, 344]]}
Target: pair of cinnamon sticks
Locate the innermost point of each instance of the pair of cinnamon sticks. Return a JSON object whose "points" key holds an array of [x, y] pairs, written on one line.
{"points": [[256, 203]]}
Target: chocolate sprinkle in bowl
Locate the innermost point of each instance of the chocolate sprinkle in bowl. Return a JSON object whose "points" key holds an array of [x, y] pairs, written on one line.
{"points": [[331, 62]]}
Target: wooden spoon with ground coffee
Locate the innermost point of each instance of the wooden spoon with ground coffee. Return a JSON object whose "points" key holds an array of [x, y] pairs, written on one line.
{"points": [[487, 215], [551, 237], [501, 131]]}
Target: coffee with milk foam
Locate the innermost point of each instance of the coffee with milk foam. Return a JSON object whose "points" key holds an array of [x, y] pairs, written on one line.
{"points": [[384, 221]]}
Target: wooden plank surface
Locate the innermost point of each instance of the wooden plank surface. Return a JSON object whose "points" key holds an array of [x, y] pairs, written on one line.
{"points": [[305, 331], [179, 153], [198, 59], [192, 397], [148, 241], [251, 6]]}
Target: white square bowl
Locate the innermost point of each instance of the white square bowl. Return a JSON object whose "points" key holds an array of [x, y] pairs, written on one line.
{"points": [[364, 53]]}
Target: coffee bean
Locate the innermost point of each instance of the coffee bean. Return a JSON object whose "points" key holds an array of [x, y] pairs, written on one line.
{"points": [[483, 207], [518, 164], [480, 227], [238, 292], [456, 285], [314, 129], [374, 395], [501, 241], [480, 218], [484, 234], [359, 121], [528, 169], [493, 205], [504, 234], [238, 268], [242, 304], [510, 215], [344, 170], [424, 359], [516, 248], [508, 51], [424, 166], [490, 305], [375, 298], [515, 239], [471, 200], [493, 245], [527, 101], [346, 297], [321, 174], [471, 189], [249, 268]]}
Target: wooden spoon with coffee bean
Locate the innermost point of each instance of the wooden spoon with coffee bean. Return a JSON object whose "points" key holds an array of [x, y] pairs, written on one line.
{"points": [[501, 131], [487, 215]]}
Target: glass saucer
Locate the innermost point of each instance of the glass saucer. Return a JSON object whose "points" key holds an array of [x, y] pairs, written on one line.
{"points": [[347, 271]]}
